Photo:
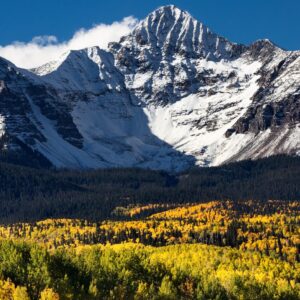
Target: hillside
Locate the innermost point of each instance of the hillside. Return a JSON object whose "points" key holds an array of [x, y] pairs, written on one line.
{"points": [[216, 250], [28, 194]]}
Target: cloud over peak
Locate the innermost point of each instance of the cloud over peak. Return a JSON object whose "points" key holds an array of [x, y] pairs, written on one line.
{"points": [[42, 49]]}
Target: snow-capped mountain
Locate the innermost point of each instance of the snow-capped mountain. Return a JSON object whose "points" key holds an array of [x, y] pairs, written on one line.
{"points": [[169, 95]]}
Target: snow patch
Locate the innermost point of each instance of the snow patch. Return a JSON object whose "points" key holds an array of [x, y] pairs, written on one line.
{"points": [[2, 126], [196, 125]]}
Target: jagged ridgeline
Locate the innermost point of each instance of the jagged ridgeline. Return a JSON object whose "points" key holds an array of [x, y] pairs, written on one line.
{"points": [[28, 194], [165, 167], [170, 95]]}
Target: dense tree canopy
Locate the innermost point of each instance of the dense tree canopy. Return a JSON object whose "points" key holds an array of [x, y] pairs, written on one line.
{"points": [[132, 271], [28, 194], [141, 234], [215, 250]]}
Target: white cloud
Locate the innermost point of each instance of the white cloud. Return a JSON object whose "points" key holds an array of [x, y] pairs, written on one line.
{"points": [[42, 49]]}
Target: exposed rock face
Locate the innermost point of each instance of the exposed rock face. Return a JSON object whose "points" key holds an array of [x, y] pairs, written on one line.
{"points": [[25, 104], [159, 57], [276, 103], [169, 95], [272, 115]]}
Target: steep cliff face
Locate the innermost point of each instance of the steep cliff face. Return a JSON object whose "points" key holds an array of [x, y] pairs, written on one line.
{"points": [[169, 95], [276, 102], [161, 58], [28, 108]]}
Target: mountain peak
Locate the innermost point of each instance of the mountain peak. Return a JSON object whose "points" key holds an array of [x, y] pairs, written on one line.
{"points": [[169, 31], [170, 94], [264, 43], [165, 18], [170, 10]]}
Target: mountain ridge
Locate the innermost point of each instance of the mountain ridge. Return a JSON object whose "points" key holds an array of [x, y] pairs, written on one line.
{"points": [[169, 95]]}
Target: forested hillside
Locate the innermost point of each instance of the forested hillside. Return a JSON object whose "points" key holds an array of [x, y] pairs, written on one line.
{"points": [[216, 250], [230, 232], [28, 194]]}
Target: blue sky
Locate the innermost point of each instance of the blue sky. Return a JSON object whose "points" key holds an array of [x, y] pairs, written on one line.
{"points": [[240, 21]]}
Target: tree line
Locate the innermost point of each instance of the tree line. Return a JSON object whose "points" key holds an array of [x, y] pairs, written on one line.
{"points": [[29, 194]]}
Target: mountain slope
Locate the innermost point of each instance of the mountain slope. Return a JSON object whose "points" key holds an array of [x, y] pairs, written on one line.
{"points": [[169, 95]]}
